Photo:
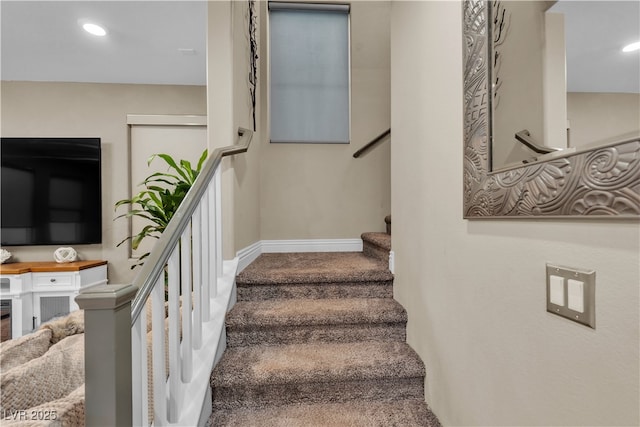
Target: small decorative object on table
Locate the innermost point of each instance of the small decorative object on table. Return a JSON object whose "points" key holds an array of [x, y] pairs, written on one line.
{"points": [[4, 256], [62, 255]]}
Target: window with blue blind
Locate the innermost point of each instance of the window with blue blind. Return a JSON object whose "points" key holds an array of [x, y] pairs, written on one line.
{"points": [[309, 72]]}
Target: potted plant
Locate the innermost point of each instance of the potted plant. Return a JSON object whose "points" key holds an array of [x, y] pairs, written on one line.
{"points": [[158, 201]]}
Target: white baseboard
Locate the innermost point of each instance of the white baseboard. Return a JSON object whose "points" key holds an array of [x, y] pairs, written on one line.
{"points": [[312, 245], [250, 253], [247, 255], [392, 262]]}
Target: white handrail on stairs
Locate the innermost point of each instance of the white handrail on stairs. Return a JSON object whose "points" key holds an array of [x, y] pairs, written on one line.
{"points": [[174, 379]]}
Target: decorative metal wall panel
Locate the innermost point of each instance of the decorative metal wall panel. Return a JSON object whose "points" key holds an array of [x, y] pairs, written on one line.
{"points": [[600, 183]]}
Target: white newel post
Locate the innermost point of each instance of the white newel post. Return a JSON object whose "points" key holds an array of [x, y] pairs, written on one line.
{"points": [[107, 354]]}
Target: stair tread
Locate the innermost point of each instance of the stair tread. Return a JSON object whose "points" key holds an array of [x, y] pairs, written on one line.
{"points": [[322, 362], [382, 240], [271, 313], [354, 414], [313, 267], [317, 339]]}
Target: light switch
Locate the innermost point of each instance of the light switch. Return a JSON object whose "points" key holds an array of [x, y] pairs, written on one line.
{"points": [[556, 290], [575, 295], [571, 293]]}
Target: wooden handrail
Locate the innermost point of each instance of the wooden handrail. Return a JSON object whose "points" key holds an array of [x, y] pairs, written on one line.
{"points": [[376, 140]]}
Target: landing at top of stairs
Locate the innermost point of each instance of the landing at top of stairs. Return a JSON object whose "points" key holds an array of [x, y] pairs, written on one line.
{"points": [[381, 240], [313, 267]]}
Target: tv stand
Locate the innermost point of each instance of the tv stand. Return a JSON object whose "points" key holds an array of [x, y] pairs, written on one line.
{"points": [[40, 291]]}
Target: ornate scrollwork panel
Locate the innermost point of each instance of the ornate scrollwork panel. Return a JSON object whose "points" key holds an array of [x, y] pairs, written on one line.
{"points": [[602, 182]]}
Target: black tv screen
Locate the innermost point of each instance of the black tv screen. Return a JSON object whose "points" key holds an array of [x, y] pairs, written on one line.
{"points": [[51, 191]]}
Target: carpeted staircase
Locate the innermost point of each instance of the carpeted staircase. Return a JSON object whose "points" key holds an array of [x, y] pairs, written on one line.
{"points": [[316, 339]]}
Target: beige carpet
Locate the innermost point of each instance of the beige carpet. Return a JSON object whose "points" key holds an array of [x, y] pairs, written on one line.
{"points": [[314, 275], [316, 339], [318, 312], [403, 413], [313, 267], [278, 321]]}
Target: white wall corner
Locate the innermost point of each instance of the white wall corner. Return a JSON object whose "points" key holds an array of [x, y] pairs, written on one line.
{"points": [[392, 262]]}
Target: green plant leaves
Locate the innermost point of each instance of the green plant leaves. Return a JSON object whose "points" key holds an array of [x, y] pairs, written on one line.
{"points": [[162, 195]]}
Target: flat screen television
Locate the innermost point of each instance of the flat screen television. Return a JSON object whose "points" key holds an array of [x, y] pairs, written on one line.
{"points": [[50, 191]]}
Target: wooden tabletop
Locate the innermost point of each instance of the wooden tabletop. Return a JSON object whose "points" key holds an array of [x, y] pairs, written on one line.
{"points": [[47, 266]]}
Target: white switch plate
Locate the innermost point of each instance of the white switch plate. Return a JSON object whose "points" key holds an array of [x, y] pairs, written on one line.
{"points": [[578, 288]]}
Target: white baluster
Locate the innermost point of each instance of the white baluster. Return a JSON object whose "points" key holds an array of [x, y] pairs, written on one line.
{"points": [[185, 281], [139, 378], [197, 278], [140, 372], [206, 265], [158, 354], [217, 180], [213, 228], [173, 267]]}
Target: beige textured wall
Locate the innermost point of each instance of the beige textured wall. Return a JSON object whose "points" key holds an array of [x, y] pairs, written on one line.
{"points": [[602, 117], [475, 290], [555, 81], [297, 191], [220, 105], [230, 107], [246, 166], [86, 109], [312, 191], [519, 102]]}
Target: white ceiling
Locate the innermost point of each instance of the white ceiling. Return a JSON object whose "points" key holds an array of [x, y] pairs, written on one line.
{"points": [[43, 41], [596, 32]]}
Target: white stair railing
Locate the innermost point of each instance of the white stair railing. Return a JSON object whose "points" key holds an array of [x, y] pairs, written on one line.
{"points": [[169, 346]]}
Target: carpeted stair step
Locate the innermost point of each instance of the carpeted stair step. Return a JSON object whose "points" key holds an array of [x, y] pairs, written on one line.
{"points": [[414, 413], [275, 322], [265, 376], [314, 275], [376, 245]]}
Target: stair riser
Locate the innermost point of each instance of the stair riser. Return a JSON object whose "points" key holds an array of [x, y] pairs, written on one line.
{"points": [[414, 413], [307, 334], [376, 252], [332, 392], [382, 289]]}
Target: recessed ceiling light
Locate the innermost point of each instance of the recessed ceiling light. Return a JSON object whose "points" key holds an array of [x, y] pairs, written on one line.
{"points": [[94, 29], [631, 47]]}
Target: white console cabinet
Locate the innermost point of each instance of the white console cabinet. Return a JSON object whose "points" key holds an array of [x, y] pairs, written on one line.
{"points": [[40, 291]]}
